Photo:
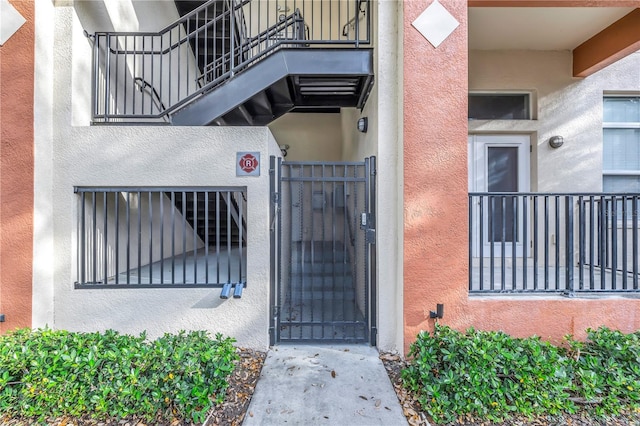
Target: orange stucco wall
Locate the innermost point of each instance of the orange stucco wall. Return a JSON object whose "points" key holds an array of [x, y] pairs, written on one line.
{"points": [[435, 168], [436, 207], [16, 171]]}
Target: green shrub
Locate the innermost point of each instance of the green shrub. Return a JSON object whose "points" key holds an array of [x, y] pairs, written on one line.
{"points": [[486, 375], [47, 374], [606, 370]]}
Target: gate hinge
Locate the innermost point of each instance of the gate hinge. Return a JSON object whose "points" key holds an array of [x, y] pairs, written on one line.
{"points": [[275, 198]]}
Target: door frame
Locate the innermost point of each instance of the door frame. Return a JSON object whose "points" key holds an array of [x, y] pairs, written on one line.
{"points": [[477, 147]]}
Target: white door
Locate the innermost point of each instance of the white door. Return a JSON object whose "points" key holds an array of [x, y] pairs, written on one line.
{"points": [[498, 164]]}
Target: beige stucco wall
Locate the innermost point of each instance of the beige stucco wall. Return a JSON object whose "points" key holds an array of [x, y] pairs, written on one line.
{"points": [[70, 152], [311, 137], [566, 106]]}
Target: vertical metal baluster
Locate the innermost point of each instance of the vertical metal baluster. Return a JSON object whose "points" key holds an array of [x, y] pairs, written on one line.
{"points": [[218, 195], [107, 79], [322, 251], [514, 242], [614, 242], [592, 239], [229, 252], [94, 243], [557, 248], [333, 252], [635, 214], [481, 241], [83, 238], [525, 241], [603, 243], [173, 237], [184, 237], [582, 236], [279, 297], [105, 238], [569, 242], [371, 266], [312, 253], [241, 236], [535, 242], [206, 235], [117, 235], [503, 237], [491, 218], [139, 237], [470, 248], [128, 237], [195, 237], [546, 242], [117, 75], [150, 197], [161, 199], [624, 255]]}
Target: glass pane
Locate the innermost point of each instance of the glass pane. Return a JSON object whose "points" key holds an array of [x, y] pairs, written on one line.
{"points": [[622, 109], [502, 176], [499, 107], [621, 149], [502, 169], [621, 184]]}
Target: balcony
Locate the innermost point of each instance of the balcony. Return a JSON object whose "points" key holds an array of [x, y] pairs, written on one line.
{"points": [[569, 243]]}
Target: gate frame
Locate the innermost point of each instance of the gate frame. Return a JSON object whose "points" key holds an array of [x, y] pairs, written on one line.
{"points": [[367, 225]]}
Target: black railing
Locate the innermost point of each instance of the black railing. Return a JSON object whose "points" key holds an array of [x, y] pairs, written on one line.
{"points": [[161, 237], [208, 46], [554, 243]]}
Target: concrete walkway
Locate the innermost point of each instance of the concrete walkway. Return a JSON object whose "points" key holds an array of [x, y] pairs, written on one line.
{"points": [[324, 385]]}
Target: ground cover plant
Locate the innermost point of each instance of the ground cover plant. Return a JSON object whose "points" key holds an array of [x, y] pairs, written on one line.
{"points": [[46, 374], [491, 376]]}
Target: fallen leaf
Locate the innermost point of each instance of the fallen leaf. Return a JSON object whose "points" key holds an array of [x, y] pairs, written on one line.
{"points": [[333, 373], [363, 397], [378, 402]]}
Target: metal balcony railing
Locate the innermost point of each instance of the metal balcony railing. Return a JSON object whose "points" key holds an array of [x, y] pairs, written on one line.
{"points": [[161, 237], [144, 77], [554, 243]]}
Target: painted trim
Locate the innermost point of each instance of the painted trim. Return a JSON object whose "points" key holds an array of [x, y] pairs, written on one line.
{"points": [[608, 46]]}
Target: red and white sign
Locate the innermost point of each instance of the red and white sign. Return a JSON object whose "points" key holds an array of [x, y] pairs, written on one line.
{"points": [[248, 164]]}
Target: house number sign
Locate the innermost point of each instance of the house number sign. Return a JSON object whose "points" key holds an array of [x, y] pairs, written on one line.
{"points": [[247, 163]]}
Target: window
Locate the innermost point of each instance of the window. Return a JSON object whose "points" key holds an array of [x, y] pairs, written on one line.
{"points": [[161, 237], [499, 106], [621, 144]]}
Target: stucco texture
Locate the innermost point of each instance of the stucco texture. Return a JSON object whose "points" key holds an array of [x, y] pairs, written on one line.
{"points": [[16, 171], [435, 168]]}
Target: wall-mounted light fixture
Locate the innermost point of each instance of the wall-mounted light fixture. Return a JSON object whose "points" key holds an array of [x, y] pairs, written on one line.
{"points": [[363, 124], [284, 148], [556, 141]]}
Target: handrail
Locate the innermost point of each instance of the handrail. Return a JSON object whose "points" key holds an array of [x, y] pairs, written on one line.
{"points": [[204, 48]]}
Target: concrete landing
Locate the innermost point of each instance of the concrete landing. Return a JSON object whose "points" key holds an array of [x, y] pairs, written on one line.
{"points": [[324, 385]]}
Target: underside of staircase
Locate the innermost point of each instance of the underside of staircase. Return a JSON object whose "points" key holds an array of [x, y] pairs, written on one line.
{"points": [[290, 79]]}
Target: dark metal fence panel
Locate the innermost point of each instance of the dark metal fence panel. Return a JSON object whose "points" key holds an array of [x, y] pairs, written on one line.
{"points": [[323, 227], [143, 77], [553, 243], [161, 237]]}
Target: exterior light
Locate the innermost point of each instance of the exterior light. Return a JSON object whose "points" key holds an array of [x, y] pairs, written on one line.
{"points": [[556, 141], [363, 124]]}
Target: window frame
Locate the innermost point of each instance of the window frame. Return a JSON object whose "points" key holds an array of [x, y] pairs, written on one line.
{"points": [[618, 125], [530, 101]]}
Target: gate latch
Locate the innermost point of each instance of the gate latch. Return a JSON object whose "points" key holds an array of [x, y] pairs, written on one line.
{"points": [[367, 224]]}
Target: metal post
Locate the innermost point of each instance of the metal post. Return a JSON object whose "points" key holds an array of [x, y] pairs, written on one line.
{"points": [[569, 243]]}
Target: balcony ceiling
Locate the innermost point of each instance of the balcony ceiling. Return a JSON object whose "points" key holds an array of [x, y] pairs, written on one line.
{"points": [[538, 28]]}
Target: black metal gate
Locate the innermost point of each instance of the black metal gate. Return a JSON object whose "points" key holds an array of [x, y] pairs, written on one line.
{"points": [[322, 232]]}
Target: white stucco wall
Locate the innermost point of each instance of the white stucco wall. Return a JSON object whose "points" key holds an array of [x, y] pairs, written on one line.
{"points": [[566, 106], [70, 152]]}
